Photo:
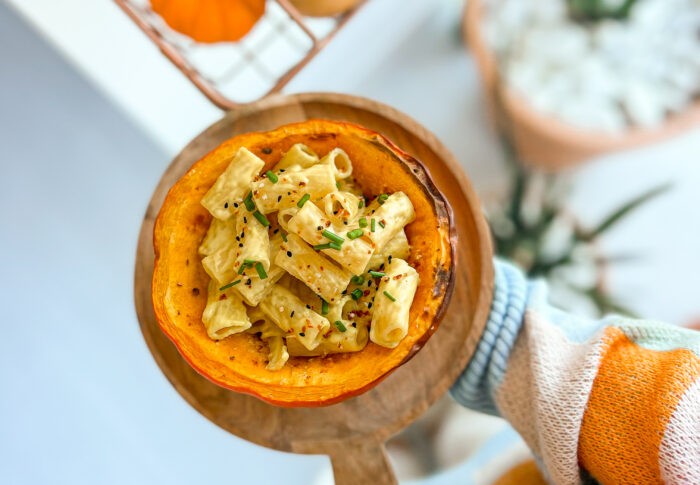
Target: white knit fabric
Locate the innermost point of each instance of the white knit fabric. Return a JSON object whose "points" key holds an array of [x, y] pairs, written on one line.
{"points": [[545, 391], [679, 453]]}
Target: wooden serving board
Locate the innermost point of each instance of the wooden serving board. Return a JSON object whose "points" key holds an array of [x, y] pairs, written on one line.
{"points": [[353, 432]]}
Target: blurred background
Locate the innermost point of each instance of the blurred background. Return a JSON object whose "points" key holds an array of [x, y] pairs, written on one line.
{"points": [[578, 123]]}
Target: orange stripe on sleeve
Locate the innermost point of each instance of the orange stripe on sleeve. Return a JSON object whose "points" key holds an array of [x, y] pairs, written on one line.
{"points": [[633, 396]]}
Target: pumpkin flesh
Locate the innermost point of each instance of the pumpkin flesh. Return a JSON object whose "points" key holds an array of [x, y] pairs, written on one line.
{"points": [[238, 362]]}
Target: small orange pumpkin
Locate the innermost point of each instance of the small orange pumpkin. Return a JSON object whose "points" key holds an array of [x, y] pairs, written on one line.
{"points": [[324, 8], [210, 21], [238, 362]]}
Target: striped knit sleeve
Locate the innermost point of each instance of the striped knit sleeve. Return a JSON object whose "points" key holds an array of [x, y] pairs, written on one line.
{"points": [[616, 397]]}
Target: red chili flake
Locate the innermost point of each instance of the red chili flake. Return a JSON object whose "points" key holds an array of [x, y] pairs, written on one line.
{"points": [[222, 297], [366, 292]]}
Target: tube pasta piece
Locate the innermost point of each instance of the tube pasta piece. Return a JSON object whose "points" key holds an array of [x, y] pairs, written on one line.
{"points": [[298, 157], [232, 185], [253, 288], [393, 303], [339, 161], [318, 273], [285, 215], [252, 241], [396, 248], [278, 355], [218, 236], [342, 208], [353, 339], [317, 181], [257, 318], [219, 251], [394, 214], [289, 313], [353, 254], [225, 313]]}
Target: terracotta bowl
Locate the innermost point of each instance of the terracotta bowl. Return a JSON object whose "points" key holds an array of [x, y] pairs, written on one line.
{"points": [[547, 142]]}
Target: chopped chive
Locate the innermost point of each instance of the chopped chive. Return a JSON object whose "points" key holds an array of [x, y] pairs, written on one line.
{"points": [[261, 218], [382, 198], [226, 287], [389, 296], [358, 279], [284, 236], [324, 307], [381, 224], [248, 201], [356, 294], [261, 271], [355, 233], [337, 185], [320, 247], [303, 200], [373, 226], [271, 176], [249, 262], [335, 246], [363, 222], [340, 326], [361, 203], [377, 274], [333, 237], [242, 269]]}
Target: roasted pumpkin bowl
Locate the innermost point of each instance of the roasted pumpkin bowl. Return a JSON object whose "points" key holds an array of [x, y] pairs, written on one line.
{"points": [[238, 362]]}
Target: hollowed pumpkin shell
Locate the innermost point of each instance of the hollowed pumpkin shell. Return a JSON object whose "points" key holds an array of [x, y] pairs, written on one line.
{"points": [[238, 362]]}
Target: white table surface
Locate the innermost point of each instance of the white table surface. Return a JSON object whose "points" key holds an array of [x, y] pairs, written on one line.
{"points": [[82, 400]]}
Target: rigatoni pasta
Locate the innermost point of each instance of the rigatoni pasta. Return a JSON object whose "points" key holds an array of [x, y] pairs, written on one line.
{"points": [[301, 259], [231, 186]]}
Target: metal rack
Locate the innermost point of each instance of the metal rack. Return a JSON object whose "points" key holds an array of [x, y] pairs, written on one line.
{"points": [[231, 74]]}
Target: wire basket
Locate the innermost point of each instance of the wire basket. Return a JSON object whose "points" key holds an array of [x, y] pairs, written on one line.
{"points": [[231, 74]]}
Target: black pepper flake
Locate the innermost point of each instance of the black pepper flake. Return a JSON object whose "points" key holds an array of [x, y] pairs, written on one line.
{"points": [[279, 197], [226, 205], [319, 228], [195, 291], [369, 305], [308, 306], [267, 150], [245, 220], [282, 170], [302, 334], [291, 315], [240, 245], [235, 205], [354, 325], [276, 231], [289, 254], [249, 282], [238, 238]]}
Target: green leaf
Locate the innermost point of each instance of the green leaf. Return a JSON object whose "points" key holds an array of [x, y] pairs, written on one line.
{"points": [[622, 212]]}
